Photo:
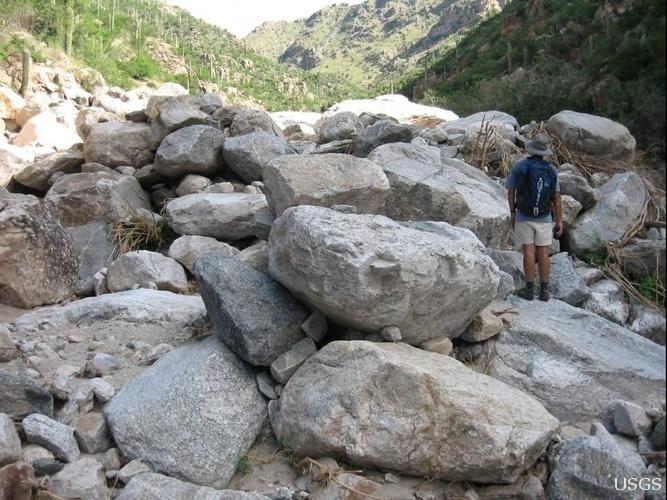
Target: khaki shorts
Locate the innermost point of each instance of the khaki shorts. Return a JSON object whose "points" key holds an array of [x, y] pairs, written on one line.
{"points": [[533, 233]]}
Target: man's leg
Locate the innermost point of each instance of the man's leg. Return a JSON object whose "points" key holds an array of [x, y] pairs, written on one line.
{"points": [[528, 292], [529, 263], [543, 240], [544, 263]]}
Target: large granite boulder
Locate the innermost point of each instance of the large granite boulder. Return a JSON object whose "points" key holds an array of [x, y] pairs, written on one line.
{"points": [[368, 272], [36, 175], [226, 216], [325, 180], [203, 388], [381, 405], [38, 263], [249, 154], [393, 105], [137, 307], [143, 268], [116, 144], [196, 149], [425, 186], [80, 199], [622, 200], [574, 361], [46, 130], [593, 135], [255, 316]]}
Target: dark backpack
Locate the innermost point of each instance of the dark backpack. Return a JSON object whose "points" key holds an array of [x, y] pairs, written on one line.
{"points": [[538, 188]]}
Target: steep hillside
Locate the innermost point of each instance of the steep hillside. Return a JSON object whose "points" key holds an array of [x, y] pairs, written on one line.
{"points": [[604, 57], [133, 41], [373, 42]]}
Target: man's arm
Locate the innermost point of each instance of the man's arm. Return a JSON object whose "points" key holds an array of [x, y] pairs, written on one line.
{"points": [[559, 214], [511, 201]]}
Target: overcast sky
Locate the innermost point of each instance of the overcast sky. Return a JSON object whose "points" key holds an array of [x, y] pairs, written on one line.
{"points": [[242, 16]]}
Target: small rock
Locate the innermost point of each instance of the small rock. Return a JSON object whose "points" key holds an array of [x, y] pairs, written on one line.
{"points": [[47, 466], [102, 389], [157, 352], [82, 479], [192, 184], [442, 346], [100, 282], [102, 364], [391, 478], [266, 385], [391, 334], [126, 170], [630, 419], [110, 459], [288, 363], [32, 452], [222, 187], [10, 444], [315, 326], [54, 436], [7, 348], [132, 469], [484, 326], [92, 434], [80, 401]]}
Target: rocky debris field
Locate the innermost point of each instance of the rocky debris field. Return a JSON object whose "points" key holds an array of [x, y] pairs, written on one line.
{"points": [[211, 301]]}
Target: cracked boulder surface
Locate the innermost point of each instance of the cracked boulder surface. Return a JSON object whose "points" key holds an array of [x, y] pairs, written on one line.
{"points": [[392, 406]]}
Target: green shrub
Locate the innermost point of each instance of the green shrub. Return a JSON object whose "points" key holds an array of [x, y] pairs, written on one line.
{"points": [[142, 67]]}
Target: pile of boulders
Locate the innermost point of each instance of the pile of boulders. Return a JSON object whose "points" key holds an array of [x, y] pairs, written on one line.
{"points": [[355, 272]]}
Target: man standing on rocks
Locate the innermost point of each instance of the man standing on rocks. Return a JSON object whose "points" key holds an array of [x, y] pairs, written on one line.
{"points": [[532, 193]]}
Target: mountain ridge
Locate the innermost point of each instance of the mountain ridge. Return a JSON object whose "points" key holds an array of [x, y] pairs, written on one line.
{"points": [[370, 42]]}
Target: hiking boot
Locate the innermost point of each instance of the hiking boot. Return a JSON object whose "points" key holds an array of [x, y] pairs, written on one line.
{"points": [[544, 294], [526, 293]]}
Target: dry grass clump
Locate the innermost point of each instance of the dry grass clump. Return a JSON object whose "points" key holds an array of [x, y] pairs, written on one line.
{"points": [[140, 231]]}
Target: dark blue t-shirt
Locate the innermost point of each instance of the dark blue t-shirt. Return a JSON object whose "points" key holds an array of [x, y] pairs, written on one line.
{"points": [[514, 181]]}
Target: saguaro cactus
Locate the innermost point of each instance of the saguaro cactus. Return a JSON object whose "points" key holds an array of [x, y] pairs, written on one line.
{"points": [[69, 35], [25, 76]]}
